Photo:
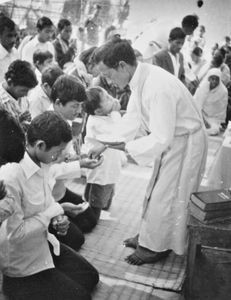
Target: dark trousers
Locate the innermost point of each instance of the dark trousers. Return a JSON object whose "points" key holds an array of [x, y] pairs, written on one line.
{"points": [[73, 278], [84, 222]]}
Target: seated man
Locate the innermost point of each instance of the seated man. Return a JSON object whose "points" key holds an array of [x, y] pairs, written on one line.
{"points": [[171, 59], [19, 79]]}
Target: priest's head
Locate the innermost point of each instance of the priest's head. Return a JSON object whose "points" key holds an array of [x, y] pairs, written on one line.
{"points": [[116, 61]]}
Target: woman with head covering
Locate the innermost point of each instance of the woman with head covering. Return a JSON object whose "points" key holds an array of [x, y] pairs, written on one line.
{"points": [[212, 99]]}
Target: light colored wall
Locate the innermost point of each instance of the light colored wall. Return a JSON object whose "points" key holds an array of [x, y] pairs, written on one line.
{"points": [[214, 14]]}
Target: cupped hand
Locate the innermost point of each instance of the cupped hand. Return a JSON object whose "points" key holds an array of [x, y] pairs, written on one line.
{"points": [[60, 224]]}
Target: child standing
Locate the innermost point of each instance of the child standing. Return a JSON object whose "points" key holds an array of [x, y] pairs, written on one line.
{"points": [[103, 113]]}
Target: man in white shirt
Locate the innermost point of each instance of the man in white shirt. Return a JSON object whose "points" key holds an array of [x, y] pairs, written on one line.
{"points": [[8, 53], [171, 59], [42, 41], [161, 126]]}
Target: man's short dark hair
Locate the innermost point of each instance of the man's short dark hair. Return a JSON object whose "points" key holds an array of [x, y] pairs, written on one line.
{"points": [[49, 127], [176, 33], [12, 138], [20, 72], [93, 100], [43, 22], [190, 21], [68, 88], [114, 51], [6, 22], [50, 74], [40, 56], [63, 23]]}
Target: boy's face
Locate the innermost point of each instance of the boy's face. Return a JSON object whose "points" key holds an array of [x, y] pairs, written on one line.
{"points": [[106, 104], [8, 38], [176, 45], [70, 110], [45, 34], [66, 33], [47, 156]]}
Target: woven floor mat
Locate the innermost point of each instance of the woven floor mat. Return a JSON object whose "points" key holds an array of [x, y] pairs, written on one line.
{"points": [[104, 246], [118, 289]]}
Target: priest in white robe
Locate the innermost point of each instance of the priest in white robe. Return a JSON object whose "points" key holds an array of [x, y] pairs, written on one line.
{"points": [[161, 126]]}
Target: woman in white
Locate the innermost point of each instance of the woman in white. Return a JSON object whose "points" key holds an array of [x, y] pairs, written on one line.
{"points": [[171, 136], [212, 99]]}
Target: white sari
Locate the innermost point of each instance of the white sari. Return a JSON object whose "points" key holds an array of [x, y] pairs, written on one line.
{"points": [[212, 103]]}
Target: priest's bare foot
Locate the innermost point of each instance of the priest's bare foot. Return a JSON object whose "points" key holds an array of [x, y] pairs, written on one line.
{"points": [[145, 256], [131, 242]]}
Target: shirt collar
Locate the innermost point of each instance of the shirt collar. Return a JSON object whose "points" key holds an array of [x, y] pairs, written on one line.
{"points": [[135, 78], [28, 166]]}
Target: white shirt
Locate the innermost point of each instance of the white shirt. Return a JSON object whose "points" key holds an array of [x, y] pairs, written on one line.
{"points": [[175, 62], [108, 172], [24, 248], [6, 58], [39, 102], [33, 45]]}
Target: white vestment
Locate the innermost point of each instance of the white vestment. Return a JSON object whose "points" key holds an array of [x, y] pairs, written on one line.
{"points": [[171, 135]]}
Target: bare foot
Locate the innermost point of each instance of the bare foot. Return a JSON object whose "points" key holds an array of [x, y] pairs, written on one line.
{"points": [[145, 256], [131, 242]]}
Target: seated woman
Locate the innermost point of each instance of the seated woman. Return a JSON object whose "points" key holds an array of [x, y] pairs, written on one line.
{"points": [[212, 99]]}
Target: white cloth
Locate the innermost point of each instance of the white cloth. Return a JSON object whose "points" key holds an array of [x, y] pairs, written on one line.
{"points": [[6, 58], [33, 45], [154, 37], [162, 113], [23, 236], [108, 172], [212, 103], [39, 102]]}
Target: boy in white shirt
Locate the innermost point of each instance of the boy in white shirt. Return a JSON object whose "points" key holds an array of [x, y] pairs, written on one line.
{"points": [[68, 96], [39, 97], [103, 113], [32, 269], [41, 60]]}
